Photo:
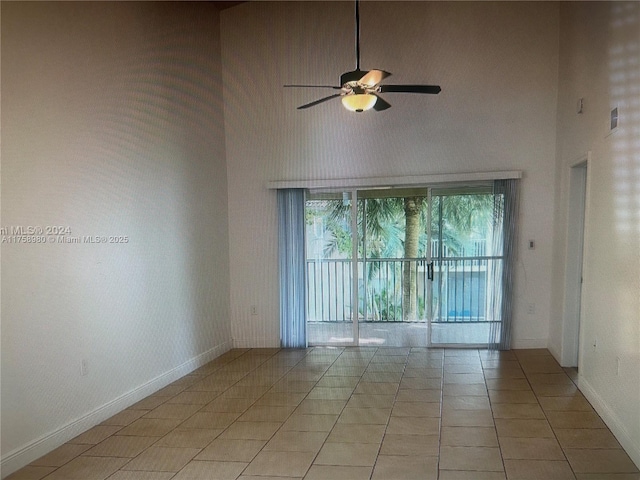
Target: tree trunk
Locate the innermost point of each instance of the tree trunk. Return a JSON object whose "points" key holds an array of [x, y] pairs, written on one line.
{"points": [[412, 207]]}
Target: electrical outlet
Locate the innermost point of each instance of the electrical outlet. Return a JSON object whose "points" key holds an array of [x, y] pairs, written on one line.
{"points": [[84, 367], [531, 308], [254, 310]]}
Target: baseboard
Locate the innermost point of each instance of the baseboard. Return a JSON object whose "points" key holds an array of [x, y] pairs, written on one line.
{"points": [[609, 417], [556, 354], [22, 456], [256, 343]]}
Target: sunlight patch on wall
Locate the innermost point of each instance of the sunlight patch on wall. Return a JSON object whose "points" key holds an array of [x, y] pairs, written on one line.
{"points": [[624, 84]]}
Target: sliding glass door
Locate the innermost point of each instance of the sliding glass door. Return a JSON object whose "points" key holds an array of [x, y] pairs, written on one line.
{"points": [[405, 266], [465, 264], [393, 225], [371, 287]]}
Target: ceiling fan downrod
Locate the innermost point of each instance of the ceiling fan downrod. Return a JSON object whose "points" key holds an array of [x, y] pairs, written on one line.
{"points": [[357, 35]]}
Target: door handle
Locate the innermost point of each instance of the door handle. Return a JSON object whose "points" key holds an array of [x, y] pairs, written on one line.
{"points": [[430, 270]]}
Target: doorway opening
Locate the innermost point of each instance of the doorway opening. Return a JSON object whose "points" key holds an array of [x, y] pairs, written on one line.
{"points": [[574, 264]]}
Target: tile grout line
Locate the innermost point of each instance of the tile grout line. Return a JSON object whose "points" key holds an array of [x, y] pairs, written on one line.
{"points": [[238, 357], [342, 410], [440, 424], [547, 418], [386, 427], [247, 352], [493, 418], [304, 398]]}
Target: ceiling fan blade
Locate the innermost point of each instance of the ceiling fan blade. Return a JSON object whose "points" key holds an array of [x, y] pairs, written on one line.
{"points": [[319, 101], [373, 77], [410, 88], [381, 104], [314, 86]]}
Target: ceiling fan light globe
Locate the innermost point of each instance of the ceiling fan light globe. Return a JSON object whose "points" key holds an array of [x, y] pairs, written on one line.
{"points": [[359, 102]]}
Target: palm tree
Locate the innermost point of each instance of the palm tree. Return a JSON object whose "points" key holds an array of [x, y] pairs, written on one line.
{"points": [[459, 218], [412, 216]]}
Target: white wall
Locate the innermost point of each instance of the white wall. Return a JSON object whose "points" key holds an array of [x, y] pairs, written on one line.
{"points": [[497, 65], [111, 125], [600, 62]]}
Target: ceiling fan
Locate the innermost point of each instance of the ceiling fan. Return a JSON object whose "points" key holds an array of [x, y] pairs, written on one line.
{"points": [[359, 89]]}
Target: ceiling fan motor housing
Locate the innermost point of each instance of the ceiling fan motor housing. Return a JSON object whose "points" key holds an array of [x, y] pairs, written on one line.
{"points": [[351, 77]]}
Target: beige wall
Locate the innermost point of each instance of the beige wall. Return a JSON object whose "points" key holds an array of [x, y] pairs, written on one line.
{"points": [[497, 65], [111, 125], [600, 62]]}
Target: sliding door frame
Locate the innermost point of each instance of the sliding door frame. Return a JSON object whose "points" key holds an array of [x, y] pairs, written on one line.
{"points": [[429, 306], [355, 240]]}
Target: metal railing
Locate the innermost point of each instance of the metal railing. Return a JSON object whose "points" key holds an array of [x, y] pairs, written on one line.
{"points": [[461, 290]]}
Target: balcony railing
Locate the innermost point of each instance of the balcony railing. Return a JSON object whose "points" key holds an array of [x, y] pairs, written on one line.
{"points": [[460, 292]]}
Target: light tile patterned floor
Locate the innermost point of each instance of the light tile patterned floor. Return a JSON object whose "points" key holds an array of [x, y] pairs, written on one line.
{"points": [[351, 414]]}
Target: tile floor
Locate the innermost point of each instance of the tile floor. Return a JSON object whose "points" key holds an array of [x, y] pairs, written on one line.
{"points": [[351, 414]]}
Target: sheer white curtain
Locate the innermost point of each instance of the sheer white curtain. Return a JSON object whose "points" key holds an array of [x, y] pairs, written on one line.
{"points": [[502, 276], [291, 246]]}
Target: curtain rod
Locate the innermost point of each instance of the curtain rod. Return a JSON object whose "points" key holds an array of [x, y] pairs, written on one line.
{"points": [[399, 181]]}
